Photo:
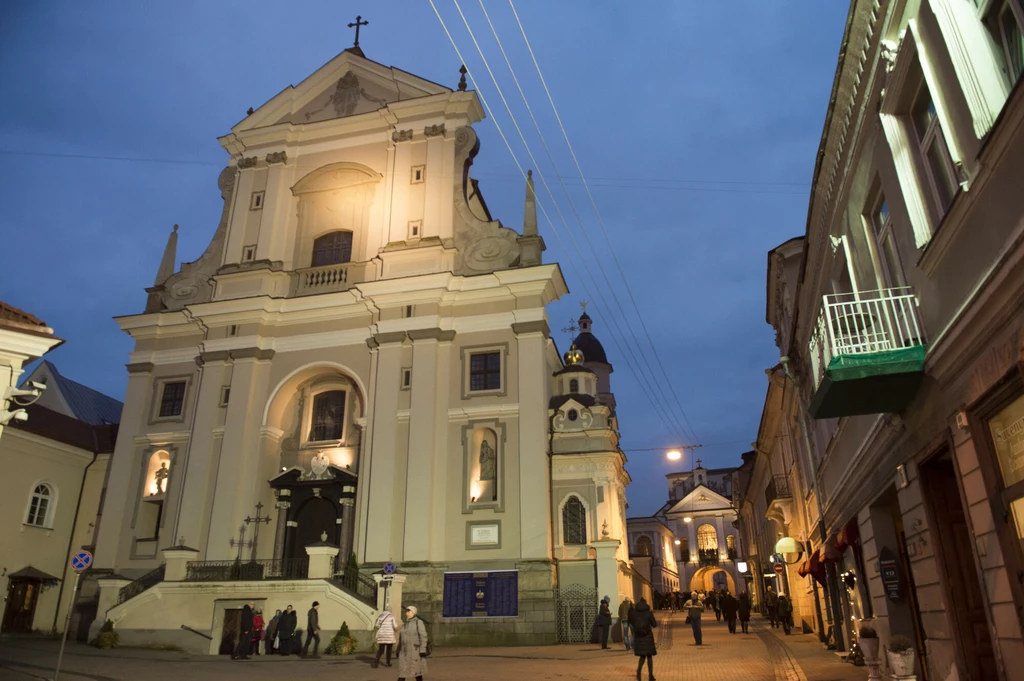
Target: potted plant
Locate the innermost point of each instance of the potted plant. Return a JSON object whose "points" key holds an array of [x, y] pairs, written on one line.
{"points": [[901, 656], [869, 642]]}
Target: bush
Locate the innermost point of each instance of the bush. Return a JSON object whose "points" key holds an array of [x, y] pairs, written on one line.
{"points": [[342, 643], [868, 632], [107, 637], [900, 644]]}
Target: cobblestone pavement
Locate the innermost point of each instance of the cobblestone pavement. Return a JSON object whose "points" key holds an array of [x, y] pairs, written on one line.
{"points": [[762, 655]]}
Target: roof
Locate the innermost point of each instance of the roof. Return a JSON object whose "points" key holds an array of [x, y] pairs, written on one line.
{"points": [[728, 469], [574, 368], [11, 313], [591, 348], [581, 399], [33, 573], [97, 438], [88, 405]]}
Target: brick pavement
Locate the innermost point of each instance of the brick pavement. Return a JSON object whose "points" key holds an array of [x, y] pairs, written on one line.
{"points": [[761, 655]]}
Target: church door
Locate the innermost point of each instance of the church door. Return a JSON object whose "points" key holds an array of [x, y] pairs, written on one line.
{"points": [[316, 516], [22, 595]]}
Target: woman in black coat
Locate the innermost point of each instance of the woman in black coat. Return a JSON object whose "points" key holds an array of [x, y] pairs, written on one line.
{"points": [[743, 608], [644, 623], [285, 629]]}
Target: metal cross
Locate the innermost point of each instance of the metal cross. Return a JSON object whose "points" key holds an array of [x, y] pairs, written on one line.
{"points": [[240, 542], [698, 462], [572, 328], [583, 306], [356, 24], [258, 520]]}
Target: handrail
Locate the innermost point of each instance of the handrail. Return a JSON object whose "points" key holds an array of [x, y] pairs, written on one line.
{"points": [[151, 578], [188, 628]]}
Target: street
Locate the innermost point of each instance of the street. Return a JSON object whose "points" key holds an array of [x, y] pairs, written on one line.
{"points": [[762, 655]]}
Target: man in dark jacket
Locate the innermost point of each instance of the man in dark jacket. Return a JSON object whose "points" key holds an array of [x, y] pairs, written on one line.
{"points": [[604, 621], [729, 607], [643, 622], [312, 630], [245, 633], [286, 629], [771, 604]]}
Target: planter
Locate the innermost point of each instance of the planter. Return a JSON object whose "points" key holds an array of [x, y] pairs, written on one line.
{"points": [[870, 648], [901, 663]]}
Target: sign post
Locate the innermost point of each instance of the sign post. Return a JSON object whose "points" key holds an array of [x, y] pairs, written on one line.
{"points": [[79, 563], [779, 569]]}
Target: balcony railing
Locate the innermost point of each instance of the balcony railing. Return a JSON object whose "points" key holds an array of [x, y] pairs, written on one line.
{"points": [[865, 322], [151, 578], [247, 571], [325, 279], [707, 557], [778, 488]]}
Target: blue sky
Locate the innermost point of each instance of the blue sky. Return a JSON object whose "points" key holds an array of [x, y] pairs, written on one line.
{"points": [[696, 124]]}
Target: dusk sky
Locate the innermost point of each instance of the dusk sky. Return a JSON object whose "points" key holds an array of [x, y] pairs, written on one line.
{"points": [[696, 125]]}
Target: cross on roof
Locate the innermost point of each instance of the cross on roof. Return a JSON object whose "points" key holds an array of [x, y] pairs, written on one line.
{"points": [[698, 462], [583, 306], [356, 24], [572, 328]]}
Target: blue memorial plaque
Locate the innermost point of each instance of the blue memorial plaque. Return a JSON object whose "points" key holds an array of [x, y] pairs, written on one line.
{"points": [[481, 594]]}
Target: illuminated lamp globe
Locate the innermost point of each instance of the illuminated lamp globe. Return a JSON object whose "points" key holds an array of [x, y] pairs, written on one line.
{"points": [[741, 566], [787, 545], [678, 542], [687, 519], [674, 455]]}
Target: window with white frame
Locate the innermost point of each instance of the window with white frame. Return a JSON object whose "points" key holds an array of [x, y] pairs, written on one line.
{"points": [[483, 370], [940, 173], [333, 248], [171, 394], [328, 420], [880, 223], [643, 546], [1004, 20], [574, 521], [39, 506]]}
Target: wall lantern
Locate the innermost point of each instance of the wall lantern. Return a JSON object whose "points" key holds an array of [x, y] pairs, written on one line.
{"points": [[741, 566], [678, 542], [787, 545]]}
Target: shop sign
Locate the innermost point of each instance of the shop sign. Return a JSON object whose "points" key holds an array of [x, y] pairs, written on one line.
{"points": [[889, 568], [1008, 436]]}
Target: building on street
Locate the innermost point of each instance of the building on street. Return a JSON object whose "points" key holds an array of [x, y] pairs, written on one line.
{"points": [[896, 413]]}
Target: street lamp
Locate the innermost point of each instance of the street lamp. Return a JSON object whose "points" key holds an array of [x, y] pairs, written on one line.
{"points": [[674, 455], [741, 566], [687, 519], [679, 542]]}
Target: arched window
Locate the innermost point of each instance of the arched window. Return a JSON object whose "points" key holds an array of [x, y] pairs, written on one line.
{"points": [[707, 537], [643, 546], [332, 248], [684, 549], [39, 505], [574, 386], [574, 522], [730, 545]]}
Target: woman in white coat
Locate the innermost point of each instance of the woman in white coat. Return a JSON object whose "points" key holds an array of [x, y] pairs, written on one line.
{"points": [[387, 630], [412, 647]]}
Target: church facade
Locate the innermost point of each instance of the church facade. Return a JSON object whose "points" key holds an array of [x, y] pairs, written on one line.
{"points": [[356, 373]]}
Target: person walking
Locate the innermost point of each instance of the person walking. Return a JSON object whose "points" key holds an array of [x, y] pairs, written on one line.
{"points": [[785, 610], [387, 629], [412, 646], [269, 646], [743, 610], [644, 623], [771, 604], [716, 604], [245, 632], [729, 606], [257, 633], [312, 630], [285, 630], [604, 621], [694, 609], [624, 609]]}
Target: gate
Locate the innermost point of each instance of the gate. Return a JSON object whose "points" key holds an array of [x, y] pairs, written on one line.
{"points": [[575, 612]]}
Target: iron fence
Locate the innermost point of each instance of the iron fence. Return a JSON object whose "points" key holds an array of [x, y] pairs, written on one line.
{"points": [[575, 611], [247, 571], [347, 576], [778, 488], [151, 578]]}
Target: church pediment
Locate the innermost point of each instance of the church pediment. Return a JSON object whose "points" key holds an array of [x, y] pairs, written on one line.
{"points": [[699, 499], [348, 85]]}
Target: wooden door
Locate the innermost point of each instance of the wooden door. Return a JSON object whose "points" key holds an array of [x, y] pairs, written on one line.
{"points": [[22, 595], [230, 631], [954, 551], [316, 516]]}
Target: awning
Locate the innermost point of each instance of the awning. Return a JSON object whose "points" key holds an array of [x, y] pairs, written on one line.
{"points": [[848, 535], [832, 552], [816, 568], [804, 569], [34, 574]]}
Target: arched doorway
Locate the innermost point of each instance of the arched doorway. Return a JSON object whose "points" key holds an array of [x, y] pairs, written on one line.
{"points": [[314, 517], [710, 577]]}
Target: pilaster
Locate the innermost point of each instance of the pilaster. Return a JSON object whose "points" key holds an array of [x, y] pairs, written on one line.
{"points": [[435, 182], [533, 385], [176, 561], [422, 424], [321, 560], [275, 227], [607, 569]]}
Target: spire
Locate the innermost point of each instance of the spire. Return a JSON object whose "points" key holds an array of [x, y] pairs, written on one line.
{"points": [[530, 210], [169, 260], [531, 243]]}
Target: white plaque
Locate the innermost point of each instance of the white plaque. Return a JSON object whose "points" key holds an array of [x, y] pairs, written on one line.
{"points": [[483, 534]]}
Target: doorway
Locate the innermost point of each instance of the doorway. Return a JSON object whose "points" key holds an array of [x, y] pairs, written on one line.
{"points": [[22, 596], [316, 516], [230, 632], [965, 605]]}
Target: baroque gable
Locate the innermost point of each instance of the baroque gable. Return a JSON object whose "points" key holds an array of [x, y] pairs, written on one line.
{"points": [[700, 499]]}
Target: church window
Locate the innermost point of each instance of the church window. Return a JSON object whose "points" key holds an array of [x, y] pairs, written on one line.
{"points": [[730, 545], [485, 371], [415, 228], [643, 546], [707, 541], [407, 311], [225, 395], [39, 506], [406, 379], [256, 201], [332, 248], [574, 522], [248, 253], [172, 399], [573, 415], [574, 387], [684, 549], [418, 174], [328, 416]]}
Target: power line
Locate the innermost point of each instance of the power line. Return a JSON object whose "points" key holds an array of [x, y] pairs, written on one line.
{"points": [[671, 420], [600, 221]]}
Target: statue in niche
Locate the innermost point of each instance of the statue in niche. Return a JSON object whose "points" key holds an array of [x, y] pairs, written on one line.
{"points": [[160, 477], [488, 462]]}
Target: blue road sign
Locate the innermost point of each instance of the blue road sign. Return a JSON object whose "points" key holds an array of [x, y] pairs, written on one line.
{"points": [[81, 560], [389, 568]]}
